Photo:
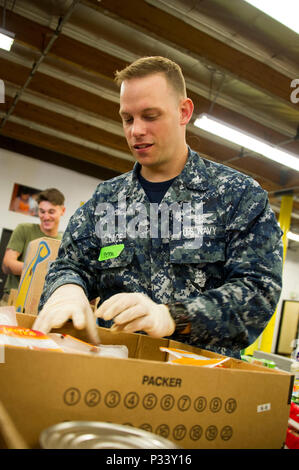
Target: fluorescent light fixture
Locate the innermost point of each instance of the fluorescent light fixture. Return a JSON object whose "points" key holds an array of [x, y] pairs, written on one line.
{"points": [[247, 141], [293, 236], [284, 11], [6, 39]]}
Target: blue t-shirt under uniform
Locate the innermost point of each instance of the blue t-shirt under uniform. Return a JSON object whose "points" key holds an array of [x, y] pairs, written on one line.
{"points": [[155, 191]]}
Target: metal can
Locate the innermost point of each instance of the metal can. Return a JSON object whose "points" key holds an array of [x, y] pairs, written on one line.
{"points": [[100, 435]]}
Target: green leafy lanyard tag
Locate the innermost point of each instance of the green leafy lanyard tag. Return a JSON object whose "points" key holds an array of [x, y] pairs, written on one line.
{"points": [[109, 252]]}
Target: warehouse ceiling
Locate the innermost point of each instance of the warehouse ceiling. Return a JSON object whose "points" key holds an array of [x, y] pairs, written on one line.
{"points": [[61, 103]]}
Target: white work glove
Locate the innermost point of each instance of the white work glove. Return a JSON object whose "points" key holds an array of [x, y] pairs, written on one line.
{"points": [[67, 301], [137, 312]]}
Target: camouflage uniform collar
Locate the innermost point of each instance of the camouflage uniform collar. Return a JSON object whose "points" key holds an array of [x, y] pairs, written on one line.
{"points": [[194, 176]]}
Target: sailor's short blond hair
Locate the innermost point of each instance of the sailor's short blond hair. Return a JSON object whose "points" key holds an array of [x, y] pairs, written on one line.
{"points": [[146, 66]]}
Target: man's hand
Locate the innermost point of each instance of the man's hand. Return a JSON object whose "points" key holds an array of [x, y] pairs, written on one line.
{"points": [[11, 264], [137, 312], [68, 301]]}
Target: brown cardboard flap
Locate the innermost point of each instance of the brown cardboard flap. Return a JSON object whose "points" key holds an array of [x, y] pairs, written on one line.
{"points": [[10, 438], [194, 349], [149, 348], [231, 364]]}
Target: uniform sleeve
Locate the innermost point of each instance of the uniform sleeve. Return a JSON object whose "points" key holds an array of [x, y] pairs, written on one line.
{"points": [[18, 239], [77, 256], [229, 318]]}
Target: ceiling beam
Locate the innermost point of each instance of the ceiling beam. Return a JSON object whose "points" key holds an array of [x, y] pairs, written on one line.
{"points": [[65, 147], [66, 124], [36, 36], [59, 89]]}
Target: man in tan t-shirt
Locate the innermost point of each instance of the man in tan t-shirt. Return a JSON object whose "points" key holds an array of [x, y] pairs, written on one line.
{"points": [[50, 209]]}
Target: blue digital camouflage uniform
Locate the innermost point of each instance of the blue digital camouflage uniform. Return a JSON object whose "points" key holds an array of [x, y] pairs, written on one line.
{"points": [[228, 284]]}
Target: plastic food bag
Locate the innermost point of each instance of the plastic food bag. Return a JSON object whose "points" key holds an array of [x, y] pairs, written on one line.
{"points": [[258, 361], [70, 344], [179, 356], [8, 316], [13, 335]]}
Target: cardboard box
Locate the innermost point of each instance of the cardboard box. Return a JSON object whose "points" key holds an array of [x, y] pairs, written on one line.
{"points": [[39, 254], [241, 406], [12, 297]]}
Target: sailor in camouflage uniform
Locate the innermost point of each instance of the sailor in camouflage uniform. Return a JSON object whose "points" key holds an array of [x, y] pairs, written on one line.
{"points": [[210, 278]]}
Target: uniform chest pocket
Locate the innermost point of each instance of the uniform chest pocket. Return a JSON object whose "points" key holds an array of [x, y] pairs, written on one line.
{"points": [[186, 253], [195, 270], [87, 244], [116, 274]]}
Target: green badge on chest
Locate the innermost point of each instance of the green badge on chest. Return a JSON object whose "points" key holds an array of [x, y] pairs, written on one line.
{"points": [[109, 252]]}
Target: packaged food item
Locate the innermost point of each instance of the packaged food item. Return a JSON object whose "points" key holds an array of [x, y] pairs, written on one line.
{"points": [[8, 316], [292, 437], [13, 335], [70, 344], [26, 338], [179, 356], [259, 361], [295, 371]]}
